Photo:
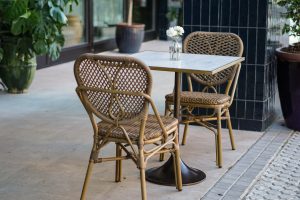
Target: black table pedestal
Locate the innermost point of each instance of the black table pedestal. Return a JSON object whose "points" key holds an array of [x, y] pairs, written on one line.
{"points": [[165, 175]]}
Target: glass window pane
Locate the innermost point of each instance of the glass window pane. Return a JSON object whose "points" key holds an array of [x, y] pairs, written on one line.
{"points": [[107, 13], [143, 13], [74, 33]]}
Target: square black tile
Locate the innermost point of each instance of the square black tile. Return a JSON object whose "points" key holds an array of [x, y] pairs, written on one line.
{"points": [[234, 13], [196, 12], [258, 110], [261, 46], [195, 28], [204, 28], [252, 125], [253, 12], [243, 14], [187, 30], [262, 13], [243, 34], [234, 30], [214, 12], [252, 52], [241, 92], [224, 29], [249, 109], [225, 13], [235, 123], [250, 93], [241, 108], [233, 109], [187, 16], [215, 29], [205, 13], [260, 82], [260, 91]]}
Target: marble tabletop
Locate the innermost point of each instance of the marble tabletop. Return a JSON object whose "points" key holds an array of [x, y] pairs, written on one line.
{"points": [[188, 63]]}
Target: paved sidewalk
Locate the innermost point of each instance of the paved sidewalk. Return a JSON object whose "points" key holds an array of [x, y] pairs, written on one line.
{"points": [[240, 177], [281, 178]]}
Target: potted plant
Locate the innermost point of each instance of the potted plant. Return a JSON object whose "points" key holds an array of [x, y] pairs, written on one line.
{"points": [[129, 36], [288, 67], [29, 28]]}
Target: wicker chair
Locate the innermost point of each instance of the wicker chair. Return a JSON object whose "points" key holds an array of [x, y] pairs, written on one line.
{"points": [[116, 91], [212, 96]]}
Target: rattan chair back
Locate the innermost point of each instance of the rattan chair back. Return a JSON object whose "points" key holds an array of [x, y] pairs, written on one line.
{"points": [[213, 43], [113, 88]]}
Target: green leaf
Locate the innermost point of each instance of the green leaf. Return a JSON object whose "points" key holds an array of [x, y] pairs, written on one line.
{"points": [[54, 51], [25, 47], [15, 9], [40, 47], [58, 15], [20, 25], [17, 27]]}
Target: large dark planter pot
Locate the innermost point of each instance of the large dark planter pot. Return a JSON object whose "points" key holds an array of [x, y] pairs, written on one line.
{"points": [[17, 76], [288, 77], [130, 37]]}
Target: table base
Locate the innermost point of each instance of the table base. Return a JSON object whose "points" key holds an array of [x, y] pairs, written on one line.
{"points": [[164, 175]]}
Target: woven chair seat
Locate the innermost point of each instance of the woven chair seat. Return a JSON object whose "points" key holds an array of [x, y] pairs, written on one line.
{"points": [[152, 129], [200, 98]]}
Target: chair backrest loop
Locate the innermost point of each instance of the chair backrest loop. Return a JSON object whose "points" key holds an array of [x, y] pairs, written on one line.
{"points": [[214, 43], [113, 87]]}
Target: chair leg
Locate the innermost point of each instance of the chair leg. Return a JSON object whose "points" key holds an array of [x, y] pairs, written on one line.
{"points": [[118, 174], [177, 166], [167, 109], [142, 166], [216, 147], [86, 180], [162, 155], [219, 139], [230, 130], [186, 128]]}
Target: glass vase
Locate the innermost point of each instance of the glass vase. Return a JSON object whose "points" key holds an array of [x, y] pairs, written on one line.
{"points": [[175, 49]]}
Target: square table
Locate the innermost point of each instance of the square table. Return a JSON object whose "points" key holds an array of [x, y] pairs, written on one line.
{"points": [[189, 63]]}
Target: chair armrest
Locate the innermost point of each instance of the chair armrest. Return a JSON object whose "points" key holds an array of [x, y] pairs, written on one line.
{"points": [[146, 96], [156, 113]]}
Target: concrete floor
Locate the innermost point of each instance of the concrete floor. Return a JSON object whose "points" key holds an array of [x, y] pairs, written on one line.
{"points": [[46, 139]]}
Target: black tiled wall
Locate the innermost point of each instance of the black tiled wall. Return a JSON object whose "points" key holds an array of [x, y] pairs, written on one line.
{"points": [[258, 23], [162, 22]]}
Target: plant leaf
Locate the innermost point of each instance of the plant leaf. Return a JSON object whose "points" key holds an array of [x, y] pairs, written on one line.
{"points": [[20, 24], [54, 51], [40, 47], [58, 15]]}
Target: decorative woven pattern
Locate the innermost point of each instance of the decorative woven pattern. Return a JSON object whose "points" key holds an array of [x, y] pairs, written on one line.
{"points": [[121, 74], [152, 129], [223, 44], [200, 98]]}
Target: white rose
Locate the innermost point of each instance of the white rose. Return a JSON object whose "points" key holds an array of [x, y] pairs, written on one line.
{"points": [[171, 32], [179, 30]]}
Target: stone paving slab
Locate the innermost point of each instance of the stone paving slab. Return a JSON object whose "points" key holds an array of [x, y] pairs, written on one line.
{"points": [[237, 180], [281, 178]]}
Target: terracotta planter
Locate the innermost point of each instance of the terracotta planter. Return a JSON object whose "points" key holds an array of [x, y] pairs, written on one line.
{"points": [[74, 31], [288, 77], [130, 37]]}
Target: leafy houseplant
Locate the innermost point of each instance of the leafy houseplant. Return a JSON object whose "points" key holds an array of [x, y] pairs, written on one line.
{"points": [[29, 28], [129, 36], [288, 67]]}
